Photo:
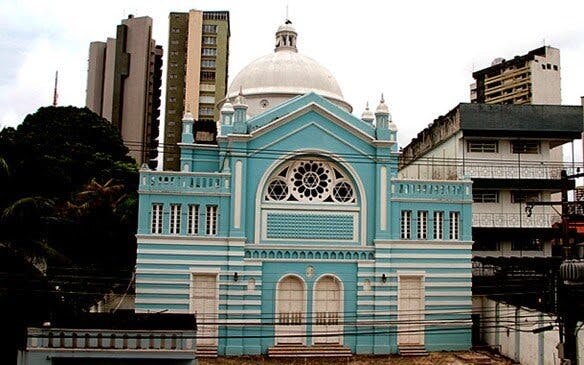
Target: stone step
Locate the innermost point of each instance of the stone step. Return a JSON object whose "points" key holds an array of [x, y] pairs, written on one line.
{"points": [[319, 350], [206, 351], [412, 350]]}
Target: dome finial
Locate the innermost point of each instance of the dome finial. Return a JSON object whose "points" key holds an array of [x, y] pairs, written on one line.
{"points": [[286, 37], [239, 99], [382, 107], [367, 115]]}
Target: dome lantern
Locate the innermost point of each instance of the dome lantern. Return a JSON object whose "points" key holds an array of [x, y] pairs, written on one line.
{"points": [[282, 75], [286, 37]]}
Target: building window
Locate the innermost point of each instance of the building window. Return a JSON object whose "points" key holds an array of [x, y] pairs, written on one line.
{"points": [[454, 225], [524, 196], [485, 196], [174, 42], [310, 181], [555, 67], [206, 99], [422, 225], [209, 51], [406, 224], [527, 147], [438, 225], [172, 76], [193, 217], [209, 28], [527, 244], [156, 223], [176, 30], [175, 219], [209, 40], [174, 53], [208, 63], [211, 220], [206, 111], [482, 146], [207, 76]]}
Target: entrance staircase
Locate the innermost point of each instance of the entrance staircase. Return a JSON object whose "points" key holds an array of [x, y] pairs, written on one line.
{"points": [[412, 350], [206, 351], [320, 350]]}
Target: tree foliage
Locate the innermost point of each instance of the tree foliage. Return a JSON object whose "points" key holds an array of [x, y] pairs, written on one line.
{"points": [[68, 196]]}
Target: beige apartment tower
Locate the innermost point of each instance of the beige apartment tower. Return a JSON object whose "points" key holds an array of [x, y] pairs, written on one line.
{"points": [[196, 80], [533, 78], [123, 85]]}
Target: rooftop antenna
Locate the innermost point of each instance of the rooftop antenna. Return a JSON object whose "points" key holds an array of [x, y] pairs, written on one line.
{"points": [[55, 94]]}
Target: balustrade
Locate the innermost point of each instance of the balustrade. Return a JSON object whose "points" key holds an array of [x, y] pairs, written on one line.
{"points": [[110, 339], [184, 182], [514, 220], [420, 189]]}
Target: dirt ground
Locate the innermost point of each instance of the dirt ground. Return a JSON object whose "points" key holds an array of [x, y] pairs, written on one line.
{"points": [[435, 358]]}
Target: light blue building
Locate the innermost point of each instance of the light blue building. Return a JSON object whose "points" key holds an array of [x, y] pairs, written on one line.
{"points": [[293, 234]]}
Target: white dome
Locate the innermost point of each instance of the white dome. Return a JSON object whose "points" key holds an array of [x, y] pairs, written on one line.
{"points": [[284, 74]]}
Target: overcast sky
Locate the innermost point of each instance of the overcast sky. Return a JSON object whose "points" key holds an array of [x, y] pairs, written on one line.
{"points": [[420, 54]]}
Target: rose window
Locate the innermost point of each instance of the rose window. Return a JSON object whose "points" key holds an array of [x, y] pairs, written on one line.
{"points": [[310, 181]]}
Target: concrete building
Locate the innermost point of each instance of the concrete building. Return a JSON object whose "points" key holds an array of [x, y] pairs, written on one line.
{"points": [[196, 80], [123, 85], [507, 150], [533, 78], [293, 235]]}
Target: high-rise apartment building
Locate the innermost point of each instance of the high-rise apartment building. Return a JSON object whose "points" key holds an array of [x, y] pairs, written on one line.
{"points": [[123, 85], [533, 78], [196, 80]]}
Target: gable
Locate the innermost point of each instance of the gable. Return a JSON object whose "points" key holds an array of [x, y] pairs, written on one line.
{"points": [[311, 130], [311, 101]]}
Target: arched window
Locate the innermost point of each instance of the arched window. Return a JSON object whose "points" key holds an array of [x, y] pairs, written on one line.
{"points": [[310, 180]]}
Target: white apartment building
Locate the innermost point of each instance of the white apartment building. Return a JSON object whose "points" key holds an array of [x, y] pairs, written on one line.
{"points": [[533, 78], [507, 150]]}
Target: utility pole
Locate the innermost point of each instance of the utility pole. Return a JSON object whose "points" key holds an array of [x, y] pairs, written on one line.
{"points": [[570, 271]]}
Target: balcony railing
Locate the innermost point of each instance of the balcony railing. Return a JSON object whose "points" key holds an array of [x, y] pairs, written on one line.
{"points": [[94, 339], [505, 170], [423, 189], [184, 182], [514, 220]]}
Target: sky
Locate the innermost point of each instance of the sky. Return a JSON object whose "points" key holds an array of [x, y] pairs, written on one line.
{"points": [[420, 54]]}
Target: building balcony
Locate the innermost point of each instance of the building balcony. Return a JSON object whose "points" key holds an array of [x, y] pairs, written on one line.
{"points": [[99, 340], [523, 170], [514, 220], [423, 189], [184, 182]]}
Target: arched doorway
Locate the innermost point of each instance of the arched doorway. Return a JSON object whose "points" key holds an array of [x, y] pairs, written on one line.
{"points": [[328, 310], [290, 311]]}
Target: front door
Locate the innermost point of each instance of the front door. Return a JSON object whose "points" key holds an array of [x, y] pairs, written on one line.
{"points": [[204, 302], [290, 310], [328, 310], [410, 311]]}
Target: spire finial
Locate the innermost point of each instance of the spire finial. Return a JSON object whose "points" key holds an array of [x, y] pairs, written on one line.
{"points": [[382, 99], [367, 115], [55, 94]]}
